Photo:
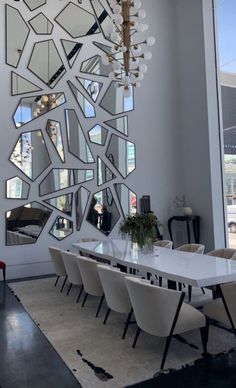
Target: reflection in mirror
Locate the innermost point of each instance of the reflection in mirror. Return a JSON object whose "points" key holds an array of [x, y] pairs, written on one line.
{"points": [[77, 142], [121, 154], [104, 174], [17, 188], [61, 228], [120, 124], [30, 154], [81, 200], [20, 85], [77, 21], [115, 102], [33, 4], [98, 135], [41, 24], [95, 66], [72, 50], [25, 223], [30, 108], [103, 212], [127, 199], [108, 50], [93, 88], [87, 109], [62, 203], [102, 16], [45, 62], [16, 35], [61, 178], [53, 129]]}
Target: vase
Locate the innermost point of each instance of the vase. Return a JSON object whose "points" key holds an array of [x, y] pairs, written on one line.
{"points": [[187, 211]]}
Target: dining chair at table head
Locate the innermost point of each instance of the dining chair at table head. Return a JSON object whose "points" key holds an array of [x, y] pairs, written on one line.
{"points": [[163, 244], [194, 248], [58, 264], [72, 270], [225, 253]]}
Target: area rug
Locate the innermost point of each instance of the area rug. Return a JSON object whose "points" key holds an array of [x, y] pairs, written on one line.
{"points": [[94, 352]]}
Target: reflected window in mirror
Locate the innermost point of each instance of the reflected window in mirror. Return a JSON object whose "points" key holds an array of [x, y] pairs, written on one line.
{"points": [[127, 199], [62, 203], [81, 201], [61, 228], [122, 155], [93, 88], [53, 129], [20, 85], [17, 188], [95, 66], [86, 107], [98, 135], [115, 102]]}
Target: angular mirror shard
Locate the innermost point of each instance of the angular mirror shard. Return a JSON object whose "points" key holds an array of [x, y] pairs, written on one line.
{"points": [[77, 21], [62, 203], [127, 199], [120, 124], [77, 143], [104, 174], [103, 212], [30, 154], [95, 66], [98, 135], [61, 178], [17, 188], [102, 15], [87, 109], [33, 4], [17, 33], [115, 102], [108, 50], [30, 108], [61, 228], [45, 62], [53, 129], [93, 88], [122, 155], [41, 24], [72, 50], [81, 200], [24, 224], [20, 85]]}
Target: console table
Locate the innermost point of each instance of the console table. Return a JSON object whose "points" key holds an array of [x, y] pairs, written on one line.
{"points": [[194, 220]]}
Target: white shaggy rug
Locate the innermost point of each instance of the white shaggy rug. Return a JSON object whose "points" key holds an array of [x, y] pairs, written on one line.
{"points": [[94, 352]]}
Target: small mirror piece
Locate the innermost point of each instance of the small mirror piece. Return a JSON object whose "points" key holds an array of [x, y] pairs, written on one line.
{"points": [[20, 85], [104, 174], [61, 228], [102, 15], [95, 66], [127, 199], [122, 155], [108, 50], [120, 124], [33, 4], [24, 224], [115, 102], [81, 200], [30, 154], [98, 134], [86, 107], [93, 88], [72, 50], [41, 24], [62, 203], [53, 129], [17, 188]]}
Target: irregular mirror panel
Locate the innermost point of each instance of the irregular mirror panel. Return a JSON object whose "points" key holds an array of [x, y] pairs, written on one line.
{"points": [[30, 154], [93, 88], [102, 15], [16, 35], [41, 24], [46, 63], [103, 212], [61, 178], [77, 142], [95, 66], [98, 135], [77, 21], [33, 4], [121, 154], [127, 199], [81, 200], [115, 102], [108, 50], [53, 129], [104, 174], [87, 109], [30, 108], [25, 223], [62, 228], [62, 203], [17, 188], [120, 124], [72, 50], [20, 85]]}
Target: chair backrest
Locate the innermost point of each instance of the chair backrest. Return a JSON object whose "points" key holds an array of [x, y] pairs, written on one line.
{"points": [[163, 244], [88, 239], [154, 307], [58, 264], [115, 290], [226, 253], [72, 269], [229, 293], [89, 274], [195, 248]]}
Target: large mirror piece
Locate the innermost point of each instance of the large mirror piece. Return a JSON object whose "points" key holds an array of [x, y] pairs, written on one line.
{"points": [[33, 4], [45, 62], [53, 129], [103, 212], [72, 50], [102, 15], [98, 134], [127, 199], [93, 88], [30, 154], [41, 24], [61, 228], [108, 50], [81, 200], [61, 178], [16, 35], [120, 124], [20, 85], [121, 154], [115, 102], [77, 142], [24, 224], [95, 66], [86, 107], [62, 203], [77, 21], [17, 188], [104, 174], [30, 108]]}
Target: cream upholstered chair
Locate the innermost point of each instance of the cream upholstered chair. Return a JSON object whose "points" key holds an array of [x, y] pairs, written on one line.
{"points": [[72, 270], [163, 244], [116, 293], [91, 280], [225, 253], [58, 264], [163, 313]]}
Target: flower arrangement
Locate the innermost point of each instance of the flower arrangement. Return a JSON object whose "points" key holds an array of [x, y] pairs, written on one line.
{"points": [[180, 202]]}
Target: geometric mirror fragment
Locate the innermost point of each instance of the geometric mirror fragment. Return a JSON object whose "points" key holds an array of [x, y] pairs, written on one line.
{"points": [[17, 188], [114, 100], [86, 107], [120, 124], [81, 200], [61, 228], [53, 129], [127, 199], [41, 24], [104, 174], [98, 134], [95, 66], [93, 88], [33, 4], [72, 50], [62, 203], [121, 154], [20, 85]]}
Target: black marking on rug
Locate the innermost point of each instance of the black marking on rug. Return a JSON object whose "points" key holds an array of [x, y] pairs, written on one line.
{"points": [[74, 370], [79, 352], [99, 372], [184, 341]]}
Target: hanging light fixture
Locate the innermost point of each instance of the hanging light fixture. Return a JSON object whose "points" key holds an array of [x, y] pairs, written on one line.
{"points": [[128, 54]]}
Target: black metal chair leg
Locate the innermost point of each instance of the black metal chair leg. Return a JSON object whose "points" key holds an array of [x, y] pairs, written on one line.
{"points": [[160, 281], [63, 285], [68, 291], [203, 291], [136, 337], [180, 286], [107, 315], [100, 305], [56, 281], [81, 290], [167, 345], [204, 337], [127, 323], [189, 293], [4, 274], [85, 297]]}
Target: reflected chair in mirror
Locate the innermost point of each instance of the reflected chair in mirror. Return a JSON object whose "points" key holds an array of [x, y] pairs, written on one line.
{"points": [[162, 244], [162, 312], [225, 253], [58, 265], [72, 270]]}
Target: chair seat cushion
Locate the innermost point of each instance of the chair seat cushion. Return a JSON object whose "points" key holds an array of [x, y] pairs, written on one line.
{"points": [[216, 310], [2, 265], [189, 319]]}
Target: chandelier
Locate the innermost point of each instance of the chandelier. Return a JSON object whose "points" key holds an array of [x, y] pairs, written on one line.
{"points": [[46, 103], [128, 53]]}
